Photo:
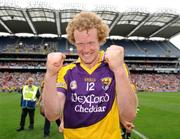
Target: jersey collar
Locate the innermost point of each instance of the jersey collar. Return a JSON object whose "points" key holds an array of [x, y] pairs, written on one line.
{"points": [[90, 71]]}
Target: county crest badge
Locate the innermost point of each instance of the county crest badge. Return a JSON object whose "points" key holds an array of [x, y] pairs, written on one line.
{"points": [[106, 81]]}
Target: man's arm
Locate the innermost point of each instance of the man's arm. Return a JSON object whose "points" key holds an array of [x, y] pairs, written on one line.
{"points": [[39, 97], [38, 94], [53, 100], [125, 96]]}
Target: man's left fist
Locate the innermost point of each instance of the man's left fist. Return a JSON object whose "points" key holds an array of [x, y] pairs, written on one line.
{"points": [[114, 55]]}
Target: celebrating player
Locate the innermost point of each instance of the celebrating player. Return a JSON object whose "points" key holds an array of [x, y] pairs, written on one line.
{"points": [[94, 93]]}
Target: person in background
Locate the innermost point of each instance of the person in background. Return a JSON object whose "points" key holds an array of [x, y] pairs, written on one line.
{"points": [[30, 93], [93, 94], [47, 123]]}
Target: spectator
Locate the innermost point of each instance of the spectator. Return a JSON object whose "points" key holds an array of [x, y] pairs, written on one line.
{"points": [[30, 93]]}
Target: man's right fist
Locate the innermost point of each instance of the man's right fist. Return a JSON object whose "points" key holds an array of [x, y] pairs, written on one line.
{"points": [[54, 62]]}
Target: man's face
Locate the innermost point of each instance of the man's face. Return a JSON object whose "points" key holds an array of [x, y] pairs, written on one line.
{"points": [[30, 83], [88, 46]]}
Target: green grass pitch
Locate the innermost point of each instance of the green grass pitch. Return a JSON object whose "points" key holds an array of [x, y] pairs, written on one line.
{"points": [[158, 118]]}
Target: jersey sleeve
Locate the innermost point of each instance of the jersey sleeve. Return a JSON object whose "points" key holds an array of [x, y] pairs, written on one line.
{"points": [[61, 85]]}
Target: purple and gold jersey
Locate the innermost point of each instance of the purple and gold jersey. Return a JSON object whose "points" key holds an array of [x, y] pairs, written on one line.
{"points": [[90, 110]]}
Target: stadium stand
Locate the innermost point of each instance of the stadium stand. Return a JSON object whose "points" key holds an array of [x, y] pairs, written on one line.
{"points": [[154, 65]]}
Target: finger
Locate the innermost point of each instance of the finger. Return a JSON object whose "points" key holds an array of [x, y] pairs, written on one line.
{"points": [[64, 56], [61, 128]]}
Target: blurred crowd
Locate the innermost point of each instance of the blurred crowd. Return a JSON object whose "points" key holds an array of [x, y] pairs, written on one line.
{"points": [[22, 64], [13, 81], [152, 66], [16, 48], [157, 82]]}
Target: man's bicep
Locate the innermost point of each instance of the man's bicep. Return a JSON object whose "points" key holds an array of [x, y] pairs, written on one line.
{"points": [[61, 96]]}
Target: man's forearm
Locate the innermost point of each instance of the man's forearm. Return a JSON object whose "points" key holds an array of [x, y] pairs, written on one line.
{"points": [[50, 97], [125, 96]]}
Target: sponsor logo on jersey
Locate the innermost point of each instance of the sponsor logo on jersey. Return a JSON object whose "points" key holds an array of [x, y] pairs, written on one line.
{"points": [[90, 103], [73, 85]]}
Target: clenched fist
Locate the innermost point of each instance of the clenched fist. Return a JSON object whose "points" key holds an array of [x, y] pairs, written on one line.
{"points": [[54, 62], [114, 55]]}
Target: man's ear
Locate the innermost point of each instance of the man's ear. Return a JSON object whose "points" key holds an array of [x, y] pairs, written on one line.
{"points": [[102, 43]]}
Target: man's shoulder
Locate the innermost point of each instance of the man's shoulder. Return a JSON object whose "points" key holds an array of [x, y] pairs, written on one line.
{"points": [[68, 67]]}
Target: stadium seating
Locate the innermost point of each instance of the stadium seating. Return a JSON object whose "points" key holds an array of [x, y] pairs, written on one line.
{"points": [[148, 61]]}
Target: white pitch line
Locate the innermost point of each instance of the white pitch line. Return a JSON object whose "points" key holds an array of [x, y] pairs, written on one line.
{"points": [[139, 134]]}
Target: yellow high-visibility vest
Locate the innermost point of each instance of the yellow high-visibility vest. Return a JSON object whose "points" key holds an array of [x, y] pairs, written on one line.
{"points": [[29, 93]]}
